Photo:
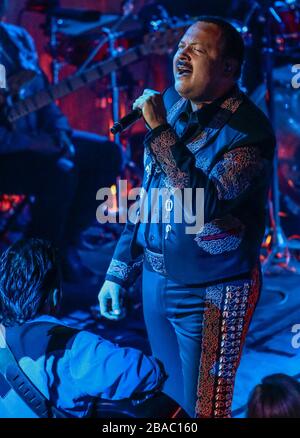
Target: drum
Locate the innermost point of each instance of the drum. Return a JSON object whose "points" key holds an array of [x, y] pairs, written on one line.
{"points": [[75, 50], [286, 26], [287, 129], [75, 45]]}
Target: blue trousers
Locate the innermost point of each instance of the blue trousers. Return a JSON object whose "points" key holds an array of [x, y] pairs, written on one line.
{"points": [[198, 333]]}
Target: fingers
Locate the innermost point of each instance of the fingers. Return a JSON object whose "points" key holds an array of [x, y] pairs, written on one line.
{"points": [[103, 303], [149, 92], [109, 315], [146, 96], [110, 305], [115, 304]]}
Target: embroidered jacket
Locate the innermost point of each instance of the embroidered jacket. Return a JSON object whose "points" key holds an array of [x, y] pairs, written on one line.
{"points": [[231, 159]]}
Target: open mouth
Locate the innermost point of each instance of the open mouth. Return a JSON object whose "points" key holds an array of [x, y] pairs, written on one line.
{"points": [[183, 69]]}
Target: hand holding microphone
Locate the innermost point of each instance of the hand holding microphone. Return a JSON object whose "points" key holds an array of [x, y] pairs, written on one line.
{"points": [[150, 105]]}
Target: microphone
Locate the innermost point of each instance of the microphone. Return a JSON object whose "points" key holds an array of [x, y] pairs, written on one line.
{"points": [[126, 121]]}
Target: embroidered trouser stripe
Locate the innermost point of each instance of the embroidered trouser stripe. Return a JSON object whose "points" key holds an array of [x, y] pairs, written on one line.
{"points": [[227, 316]]}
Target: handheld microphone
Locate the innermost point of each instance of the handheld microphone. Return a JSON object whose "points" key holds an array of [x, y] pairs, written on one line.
{"points": [[126, 121]]}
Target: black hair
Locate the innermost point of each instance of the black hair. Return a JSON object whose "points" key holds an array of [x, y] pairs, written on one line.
{"points": [[278, 396], [29, 270], [233, 43]]}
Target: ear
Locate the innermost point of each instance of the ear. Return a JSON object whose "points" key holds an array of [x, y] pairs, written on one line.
{"points": [[230, 67]]}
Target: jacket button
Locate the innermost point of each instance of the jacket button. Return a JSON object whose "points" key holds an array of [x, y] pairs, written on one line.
{"points": [[169, 205], [168, 229]]}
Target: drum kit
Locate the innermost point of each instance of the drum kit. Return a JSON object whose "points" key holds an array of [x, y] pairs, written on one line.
{"points": [[278, 33], [271, 32]]}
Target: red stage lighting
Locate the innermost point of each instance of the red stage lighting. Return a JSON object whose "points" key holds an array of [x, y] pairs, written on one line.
{"points": [[41, 5]]}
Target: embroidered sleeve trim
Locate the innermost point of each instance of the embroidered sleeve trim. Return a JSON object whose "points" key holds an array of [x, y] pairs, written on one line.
{"points": [[221, 235], [235, 172], [123, 271], [161, 147]]}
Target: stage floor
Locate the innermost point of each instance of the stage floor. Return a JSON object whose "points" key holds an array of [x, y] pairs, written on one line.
{"points": [[268, 346]]}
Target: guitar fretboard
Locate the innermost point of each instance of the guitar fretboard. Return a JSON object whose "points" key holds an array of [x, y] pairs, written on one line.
{"points": [[68, 85]]}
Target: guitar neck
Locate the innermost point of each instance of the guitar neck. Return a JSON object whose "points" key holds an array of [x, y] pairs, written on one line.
{"points": [[73, 83]]}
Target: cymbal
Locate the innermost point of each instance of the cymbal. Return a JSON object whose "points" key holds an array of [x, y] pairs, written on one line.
{"points": [[128, 23], [74, 27]]}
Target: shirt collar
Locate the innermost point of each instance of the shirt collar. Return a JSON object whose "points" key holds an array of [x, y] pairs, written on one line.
{"points": [[203, 115]]}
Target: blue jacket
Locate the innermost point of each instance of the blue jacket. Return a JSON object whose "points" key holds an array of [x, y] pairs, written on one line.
{"points": [[20, 47], [71, 367], [230, 157]]}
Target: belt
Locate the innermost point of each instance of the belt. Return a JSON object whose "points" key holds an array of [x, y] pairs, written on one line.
{"points": [[155, 261]]}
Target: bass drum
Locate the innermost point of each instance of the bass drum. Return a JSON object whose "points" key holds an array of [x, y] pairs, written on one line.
{"points": [[287, 129]]}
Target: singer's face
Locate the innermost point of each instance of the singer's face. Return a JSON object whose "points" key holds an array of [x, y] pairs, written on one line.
{"points": [[198, 62]]}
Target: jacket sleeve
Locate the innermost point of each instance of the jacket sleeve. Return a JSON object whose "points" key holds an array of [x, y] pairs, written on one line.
{"points": [[13, 141], [103, 369], [126, 264], [49, 119], [237, 173], [123, 268]]}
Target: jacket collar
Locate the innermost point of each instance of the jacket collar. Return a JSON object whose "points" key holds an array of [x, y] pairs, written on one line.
{"points": [[216, 114]]}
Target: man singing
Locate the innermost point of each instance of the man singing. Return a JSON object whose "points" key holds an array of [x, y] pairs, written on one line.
{"points": [[200, 291]]}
